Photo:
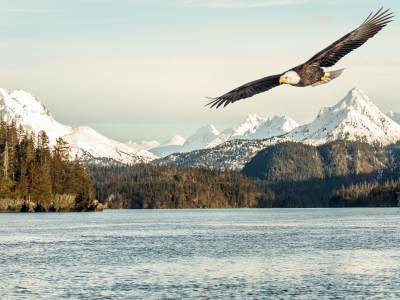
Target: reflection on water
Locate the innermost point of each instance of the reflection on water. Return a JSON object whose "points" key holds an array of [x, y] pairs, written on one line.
{"points": [[215, 254]]}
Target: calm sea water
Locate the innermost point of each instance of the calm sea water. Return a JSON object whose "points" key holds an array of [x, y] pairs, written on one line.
{"points": [[210, 254]]}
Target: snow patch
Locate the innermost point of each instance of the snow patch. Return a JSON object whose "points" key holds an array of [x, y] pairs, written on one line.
{"points": [[143, 145]]}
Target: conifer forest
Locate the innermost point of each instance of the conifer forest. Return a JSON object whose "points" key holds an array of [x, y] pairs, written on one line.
{"points": [[37, 177]]}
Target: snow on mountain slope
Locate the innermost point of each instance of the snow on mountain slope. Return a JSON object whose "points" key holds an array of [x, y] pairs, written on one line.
{"points": [[353, 118], [176, 140], [85, 142], [166, 150], [31, 114], [172, 145], [222, 137], [88, 143], [143, 145], [249, 127], [255, 128], [394, 116], [274, 127], [231, 155], [203, 136]]}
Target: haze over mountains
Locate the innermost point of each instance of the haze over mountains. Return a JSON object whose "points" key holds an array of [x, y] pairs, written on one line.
{"points": [[355, 117], [394, 116]]}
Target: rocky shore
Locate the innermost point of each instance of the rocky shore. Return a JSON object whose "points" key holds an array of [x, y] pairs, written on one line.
{"points": [[59, 203]]}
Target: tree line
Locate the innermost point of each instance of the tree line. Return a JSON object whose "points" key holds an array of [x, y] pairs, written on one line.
{"points": [[149, 186], [37, 174], [303, 175], [43, 178], [367, 195]]}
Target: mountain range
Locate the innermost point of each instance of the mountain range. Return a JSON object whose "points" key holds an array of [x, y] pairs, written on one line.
{"points": [[355, 117], [86, 143], [207, 136]]}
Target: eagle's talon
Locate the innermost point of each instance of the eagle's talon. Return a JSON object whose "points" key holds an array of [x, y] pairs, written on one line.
{"points": [[319, 81]]}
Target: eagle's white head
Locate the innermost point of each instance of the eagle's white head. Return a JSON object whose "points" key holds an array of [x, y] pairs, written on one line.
{"points": [[290, 77]]}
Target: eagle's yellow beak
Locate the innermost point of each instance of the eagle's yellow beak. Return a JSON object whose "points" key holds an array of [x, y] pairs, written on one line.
{"points": [[282, 79]]}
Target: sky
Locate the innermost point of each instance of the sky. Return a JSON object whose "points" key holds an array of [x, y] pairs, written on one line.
{"points": [[142, 69]]}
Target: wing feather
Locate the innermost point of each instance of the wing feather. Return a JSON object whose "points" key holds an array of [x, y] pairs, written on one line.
{"points": [[246, 91], [351, 41]]}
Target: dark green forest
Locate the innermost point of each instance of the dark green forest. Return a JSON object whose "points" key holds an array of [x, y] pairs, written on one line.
{"points": [[149, 186], [305, 176], [367, 195], [288, 174], [36, 177]]}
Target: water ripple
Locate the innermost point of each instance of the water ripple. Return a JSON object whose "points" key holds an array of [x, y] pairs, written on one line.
{"points": [[205, 254]]}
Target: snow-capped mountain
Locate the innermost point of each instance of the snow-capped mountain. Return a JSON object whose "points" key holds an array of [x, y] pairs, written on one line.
{"points": [[231, 155], [394, 116], [91, 145], [176, 140], [84, 141], [143, 145], [31, 114], [203, 136], [255, 128], [249, 127], [221, 138], [172, 145], [275, 126], [355, 118]]}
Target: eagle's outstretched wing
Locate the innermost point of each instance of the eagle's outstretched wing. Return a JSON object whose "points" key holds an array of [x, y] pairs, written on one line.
{"points": [[246, 90], [333, 53]]}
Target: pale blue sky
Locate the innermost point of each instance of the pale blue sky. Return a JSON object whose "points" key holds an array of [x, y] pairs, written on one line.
{"points": [[140, 69]]}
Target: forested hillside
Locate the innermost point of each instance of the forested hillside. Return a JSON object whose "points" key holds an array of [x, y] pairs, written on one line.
{"points": [[148, 186], [35, 177], [307, 175], [367, 195], [288, 174]]}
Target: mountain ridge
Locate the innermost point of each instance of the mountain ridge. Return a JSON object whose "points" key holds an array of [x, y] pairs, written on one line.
{"points": [[355, 118], [85, 142]]}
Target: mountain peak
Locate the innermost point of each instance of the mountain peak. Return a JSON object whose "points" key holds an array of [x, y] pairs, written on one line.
{"points": [[176, 140], [356, 98], [355, 117], [274, 127], [203, 136], [250, 125], [29, 101], [254, 119], [31, 114], [143, 145], [207, 128]]}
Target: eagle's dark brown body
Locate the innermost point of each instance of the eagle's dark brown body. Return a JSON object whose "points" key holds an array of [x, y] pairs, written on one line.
{"points": [[311, 72]]}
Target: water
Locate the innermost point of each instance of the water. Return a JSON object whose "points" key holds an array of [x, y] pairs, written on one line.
{"points": [[205, 254]]}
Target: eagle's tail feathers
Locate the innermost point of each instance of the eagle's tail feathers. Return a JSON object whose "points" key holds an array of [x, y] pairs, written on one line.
{"points": [[329, 77]]}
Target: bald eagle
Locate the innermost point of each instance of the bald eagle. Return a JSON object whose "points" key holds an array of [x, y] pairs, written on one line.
{"points": [[311, 72]]}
